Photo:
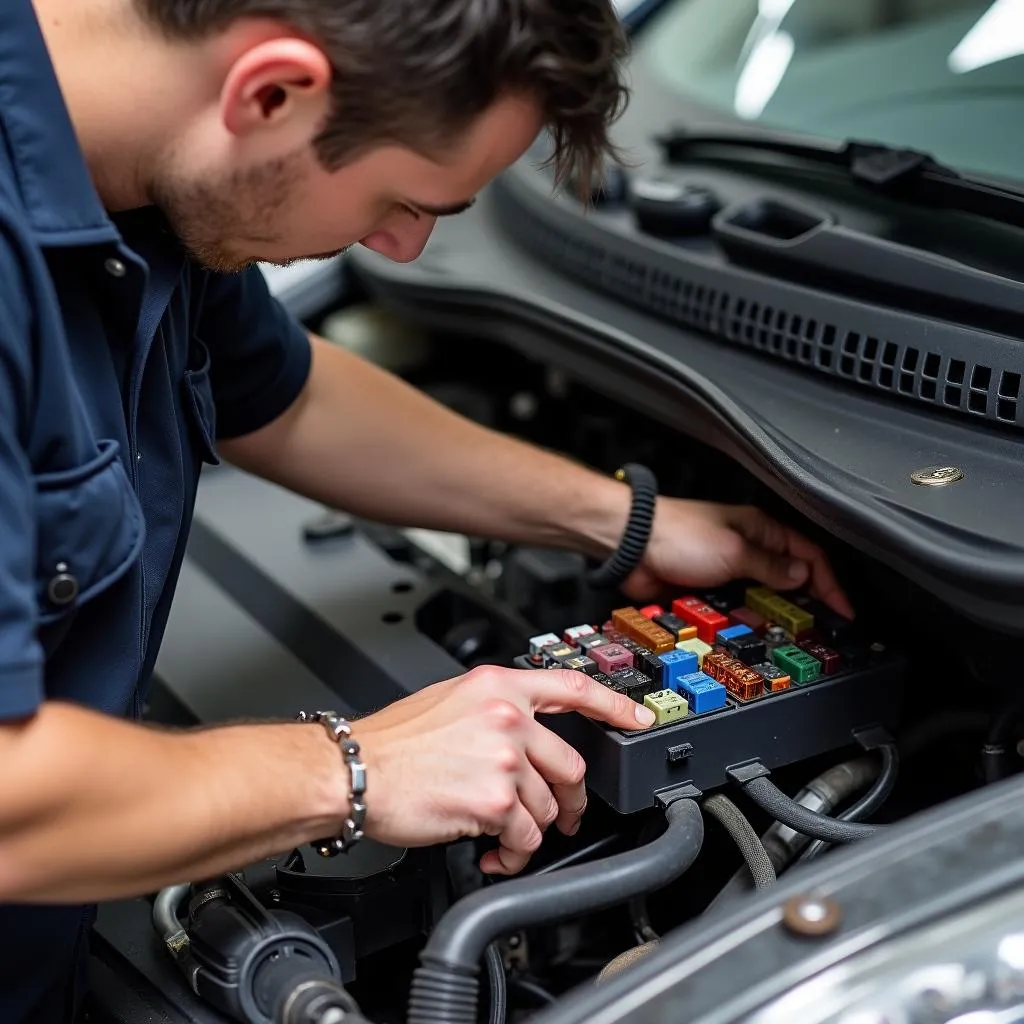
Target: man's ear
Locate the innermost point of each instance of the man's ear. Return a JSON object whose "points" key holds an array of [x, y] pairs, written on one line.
{"points": [[282, 81]]}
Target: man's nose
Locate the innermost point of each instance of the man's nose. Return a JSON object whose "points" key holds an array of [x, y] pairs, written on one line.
{"points": [[403, 241]]}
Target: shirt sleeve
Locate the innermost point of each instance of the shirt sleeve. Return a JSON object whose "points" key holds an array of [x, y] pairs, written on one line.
{"points": [[21, 657], [260, 356]]}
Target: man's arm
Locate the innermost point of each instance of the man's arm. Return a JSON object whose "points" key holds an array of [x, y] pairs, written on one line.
{"points": [[360, 439], [94, 808]]}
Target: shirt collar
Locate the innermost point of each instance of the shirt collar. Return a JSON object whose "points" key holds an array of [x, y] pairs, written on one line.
{"points": [[59, 197]]}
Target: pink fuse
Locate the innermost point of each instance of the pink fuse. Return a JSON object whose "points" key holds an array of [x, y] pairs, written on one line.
{"points": [[611, 657]]}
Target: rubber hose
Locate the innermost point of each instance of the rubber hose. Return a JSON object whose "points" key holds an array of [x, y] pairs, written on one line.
{"points": [[822, 794], [627, 959], [770, 798], [165, 918], [723, 810], [444, 987], [498, 985], [872, 799]]}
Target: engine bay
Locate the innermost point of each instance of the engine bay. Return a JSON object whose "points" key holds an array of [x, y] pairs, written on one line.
{"points": [[789, 742]]}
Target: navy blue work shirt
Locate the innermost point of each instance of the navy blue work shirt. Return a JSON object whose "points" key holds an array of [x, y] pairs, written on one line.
{"points": [[121, 364]]}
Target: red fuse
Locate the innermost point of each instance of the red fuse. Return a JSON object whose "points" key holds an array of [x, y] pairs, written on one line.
{"points": [[694, 611], [748, 617], [611, 657], [830, 660], [651, 611]]}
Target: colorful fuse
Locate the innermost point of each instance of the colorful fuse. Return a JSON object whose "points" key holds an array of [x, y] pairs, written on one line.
{"points": [[642, 630], [581, 663], [574, 634], [777, 609], [652, 611], [775, 678], [667, 705], [677, 664], [748, 648], [748, 617], [702, 693], [800, 665], [674, 625], [638, 684], [703, 616], [723, 636], [594, 640], [694, 646], [611, 657], [538, 643], [557, 653], [830, 660]]}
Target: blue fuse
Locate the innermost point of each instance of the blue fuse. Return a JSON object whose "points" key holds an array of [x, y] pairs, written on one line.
{"points": [[702, 693], [723, 636], [676, 665]]}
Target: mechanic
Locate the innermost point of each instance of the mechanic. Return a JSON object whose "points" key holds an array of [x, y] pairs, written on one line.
{"points": [[152, 151]]}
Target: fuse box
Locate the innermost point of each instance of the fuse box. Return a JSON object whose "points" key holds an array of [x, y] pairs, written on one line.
{"points": [[777, 679]]}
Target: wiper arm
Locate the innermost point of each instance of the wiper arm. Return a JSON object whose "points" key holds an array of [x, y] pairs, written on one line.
{"points": [[906, 174]]}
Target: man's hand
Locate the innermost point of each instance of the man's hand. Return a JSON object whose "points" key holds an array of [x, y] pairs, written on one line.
{"points": [[699, 544], [466, 758]]}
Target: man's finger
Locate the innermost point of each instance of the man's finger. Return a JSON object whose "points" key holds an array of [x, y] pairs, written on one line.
{"points": [[555, 690], [562, 769], [824, 584], [519, 839]]}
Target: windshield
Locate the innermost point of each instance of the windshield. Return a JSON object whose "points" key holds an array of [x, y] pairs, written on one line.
{"points": [[945, 76]]}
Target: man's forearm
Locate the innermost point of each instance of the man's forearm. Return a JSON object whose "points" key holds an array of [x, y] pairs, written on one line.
{"points": [[362, 440], [94, 808]]}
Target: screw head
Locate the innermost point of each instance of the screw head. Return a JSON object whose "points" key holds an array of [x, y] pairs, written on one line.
{"points": [[811, 915], [937, 476]]}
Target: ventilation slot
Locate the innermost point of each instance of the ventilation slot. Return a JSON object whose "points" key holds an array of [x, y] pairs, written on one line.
{"points": [[786, 334]]}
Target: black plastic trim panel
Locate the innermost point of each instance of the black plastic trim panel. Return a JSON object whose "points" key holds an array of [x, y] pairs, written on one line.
{"points": [[839, 454]]}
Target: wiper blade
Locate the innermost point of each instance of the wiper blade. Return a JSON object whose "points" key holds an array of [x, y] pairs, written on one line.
{"points": [[906, 174]]}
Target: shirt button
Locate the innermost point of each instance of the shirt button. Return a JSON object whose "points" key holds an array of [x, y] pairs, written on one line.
{"points": [[63, 588], [115, 268]]}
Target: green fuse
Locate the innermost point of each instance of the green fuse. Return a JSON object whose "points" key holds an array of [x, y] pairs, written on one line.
{"points": [[667, 706], [802, 668]]}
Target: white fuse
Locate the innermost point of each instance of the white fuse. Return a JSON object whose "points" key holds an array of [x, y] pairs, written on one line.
{"points": [[538, 643]]}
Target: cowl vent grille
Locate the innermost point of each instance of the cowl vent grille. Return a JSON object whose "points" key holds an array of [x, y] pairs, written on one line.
{"points": [[885, 361]]}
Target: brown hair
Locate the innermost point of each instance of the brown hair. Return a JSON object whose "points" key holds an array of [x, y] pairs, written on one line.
{"points": [[418, 72]]}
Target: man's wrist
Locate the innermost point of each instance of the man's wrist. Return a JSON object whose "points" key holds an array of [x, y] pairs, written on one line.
{"points": [[597, 514]]}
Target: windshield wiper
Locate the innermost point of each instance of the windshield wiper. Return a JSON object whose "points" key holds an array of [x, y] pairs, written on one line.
{"points": [[907, 174]]}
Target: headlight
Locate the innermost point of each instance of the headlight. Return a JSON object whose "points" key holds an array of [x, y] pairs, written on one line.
{"points": [[969, 969]]}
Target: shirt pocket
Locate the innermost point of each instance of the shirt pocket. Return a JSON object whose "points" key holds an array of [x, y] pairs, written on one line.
{"points": [[200, 407], [89, 532]]}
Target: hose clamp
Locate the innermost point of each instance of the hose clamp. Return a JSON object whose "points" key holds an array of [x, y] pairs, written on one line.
{"points": [[340, 730]]}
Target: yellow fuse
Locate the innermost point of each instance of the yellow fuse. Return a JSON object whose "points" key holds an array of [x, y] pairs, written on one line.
{"points": [[791, 617], [688, 633], [695, 646], [667, 706], [759, 599]]}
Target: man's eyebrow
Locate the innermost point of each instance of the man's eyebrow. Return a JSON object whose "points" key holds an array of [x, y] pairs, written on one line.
{"points": [[442, 211]]}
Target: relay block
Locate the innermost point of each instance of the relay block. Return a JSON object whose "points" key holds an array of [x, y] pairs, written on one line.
{"points": [[732, 676]]}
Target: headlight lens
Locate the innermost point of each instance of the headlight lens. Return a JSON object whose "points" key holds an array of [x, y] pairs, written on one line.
{"points": [[966, 969]]}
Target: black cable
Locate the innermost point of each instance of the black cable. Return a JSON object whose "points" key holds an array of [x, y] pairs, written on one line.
{"points": [[541, 994], [576, 856], [732, 819], [871, 801], [639, 915], [770, 798], [497, 986], [444, 987]]}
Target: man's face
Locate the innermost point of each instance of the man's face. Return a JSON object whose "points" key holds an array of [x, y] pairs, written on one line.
{"points": [[279, 208]]}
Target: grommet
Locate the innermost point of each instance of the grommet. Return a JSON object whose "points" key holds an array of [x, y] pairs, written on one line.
{"points": [[63, 587], [811, 916], [115, 267]]}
